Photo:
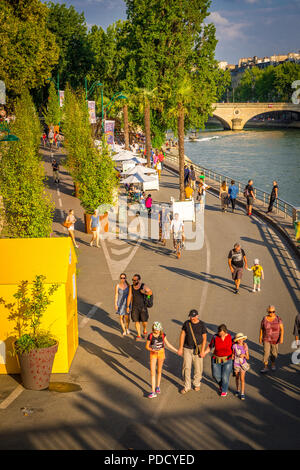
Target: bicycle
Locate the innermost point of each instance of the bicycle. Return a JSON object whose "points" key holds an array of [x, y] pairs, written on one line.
{"points": [[178, 244]]}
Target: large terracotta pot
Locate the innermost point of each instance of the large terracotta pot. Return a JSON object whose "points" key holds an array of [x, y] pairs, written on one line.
{"points": [[36, 367], [104, 222], [87, 219], [76, 185]]}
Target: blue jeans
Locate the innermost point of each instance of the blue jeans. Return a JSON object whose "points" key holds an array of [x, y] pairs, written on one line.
{"points": [[221, 373]]}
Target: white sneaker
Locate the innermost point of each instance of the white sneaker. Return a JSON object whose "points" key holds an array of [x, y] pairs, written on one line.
{"points": [[258, 290], [128, 332], [253, 290]]}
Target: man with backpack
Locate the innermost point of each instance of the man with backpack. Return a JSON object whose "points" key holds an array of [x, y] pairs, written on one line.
{"points": [[55, 168], [249, 195], [140, 298]]}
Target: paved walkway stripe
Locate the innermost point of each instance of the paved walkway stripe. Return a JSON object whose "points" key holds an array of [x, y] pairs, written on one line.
{"points": [[90, 314], [13, 395]]}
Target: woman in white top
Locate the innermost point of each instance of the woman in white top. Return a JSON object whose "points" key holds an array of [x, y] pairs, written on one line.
{"points": [[71, 220]]}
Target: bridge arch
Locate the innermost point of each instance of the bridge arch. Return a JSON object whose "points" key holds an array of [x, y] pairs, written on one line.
{"points": [[225, 123], [272, 111], [235, 115]]}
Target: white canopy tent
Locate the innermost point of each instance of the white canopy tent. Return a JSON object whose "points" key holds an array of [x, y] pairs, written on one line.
{"points": [[138, 178], [123, 155], [138, 169]]}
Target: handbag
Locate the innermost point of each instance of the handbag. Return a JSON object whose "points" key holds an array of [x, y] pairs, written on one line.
{"points": [[245, 366], [197, 346], [148, 299], [67, 224]]}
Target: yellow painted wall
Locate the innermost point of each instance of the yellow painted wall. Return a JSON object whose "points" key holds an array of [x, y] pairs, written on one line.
{"points": [[55, 258]]}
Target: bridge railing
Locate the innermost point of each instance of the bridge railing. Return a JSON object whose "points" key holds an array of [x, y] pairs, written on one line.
{"points": [[280, 205]]}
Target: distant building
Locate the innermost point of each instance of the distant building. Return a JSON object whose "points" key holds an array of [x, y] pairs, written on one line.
{"points": [[246, 63]]}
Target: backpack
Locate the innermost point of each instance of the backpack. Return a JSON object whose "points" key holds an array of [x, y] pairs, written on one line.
{"points": [[246, 192], [163, 337], [148, 299]]}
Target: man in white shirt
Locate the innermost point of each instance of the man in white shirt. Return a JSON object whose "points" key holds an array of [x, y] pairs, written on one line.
{"points": [[177, 229]]}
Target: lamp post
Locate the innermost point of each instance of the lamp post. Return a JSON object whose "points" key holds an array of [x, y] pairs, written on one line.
{"points": [[117, 96], [92, 88]]}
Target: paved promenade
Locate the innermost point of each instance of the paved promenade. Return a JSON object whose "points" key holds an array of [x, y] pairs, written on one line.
{"points": [[112, 410]]}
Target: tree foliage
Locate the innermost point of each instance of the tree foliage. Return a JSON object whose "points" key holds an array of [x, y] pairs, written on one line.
{"points": [[52, 113], [28, 51], [269, 84], [92, 168], [27, 208], [70, 31]]}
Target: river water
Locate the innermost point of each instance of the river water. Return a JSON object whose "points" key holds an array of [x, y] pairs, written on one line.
{"points": [[259, 154]]}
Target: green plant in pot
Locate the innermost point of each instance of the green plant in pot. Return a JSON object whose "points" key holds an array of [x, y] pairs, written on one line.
{"points": [[34, 346]]}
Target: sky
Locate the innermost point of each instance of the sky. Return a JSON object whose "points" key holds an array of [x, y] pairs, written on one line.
{"points": [[244, 28]]}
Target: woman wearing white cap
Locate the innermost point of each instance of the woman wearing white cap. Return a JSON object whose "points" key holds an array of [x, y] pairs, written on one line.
{"points": [[156, 342], [240, 364]]}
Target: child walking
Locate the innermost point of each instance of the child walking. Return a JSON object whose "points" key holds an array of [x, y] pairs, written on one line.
{"points": [[240, 364], [258, 274], [156, 343]]}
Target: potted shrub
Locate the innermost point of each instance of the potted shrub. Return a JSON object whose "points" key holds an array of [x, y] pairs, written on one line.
{"points": [[34, 347]]}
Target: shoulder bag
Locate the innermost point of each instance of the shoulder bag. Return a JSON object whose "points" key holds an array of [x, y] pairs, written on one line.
{"points": [[197, 346]]}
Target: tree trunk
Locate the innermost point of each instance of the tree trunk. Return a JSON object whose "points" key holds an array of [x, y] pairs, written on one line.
{"points": [[147, 133], [181, 150], [126, 129]]}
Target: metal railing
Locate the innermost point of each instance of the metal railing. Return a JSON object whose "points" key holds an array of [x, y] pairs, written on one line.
{"points": [[287, 209]]}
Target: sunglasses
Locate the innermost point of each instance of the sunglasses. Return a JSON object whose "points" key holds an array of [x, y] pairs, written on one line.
{"points": [[122, 277], [271, 311], [135, 280]]}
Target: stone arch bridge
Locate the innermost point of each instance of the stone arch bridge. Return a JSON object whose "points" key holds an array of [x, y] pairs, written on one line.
{"points": [[234, 116]]}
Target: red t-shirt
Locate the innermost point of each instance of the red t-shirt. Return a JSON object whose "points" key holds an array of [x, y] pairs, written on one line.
{"points": [[222, 347]]}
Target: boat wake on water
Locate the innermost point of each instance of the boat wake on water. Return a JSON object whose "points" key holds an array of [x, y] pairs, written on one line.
{"points": [[204, 139]]}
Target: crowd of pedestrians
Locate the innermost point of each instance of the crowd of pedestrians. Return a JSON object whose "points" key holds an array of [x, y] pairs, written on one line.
{"points": [[229, 353]]}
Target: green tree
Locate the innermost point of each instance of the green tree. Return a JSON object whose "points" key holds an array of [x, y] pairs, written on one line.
{"points": [[70, 31], [285, 75], [246, 90], [52, 113], [173, 46], [144, 98], [265, 86], [27, 209], [92, 168], [28, 50]]}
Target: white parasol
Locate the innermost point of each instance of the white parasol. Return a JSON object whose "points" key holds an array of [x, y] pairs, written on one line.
{"points": [[138, 169], [123, 155], [138, 178]]}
